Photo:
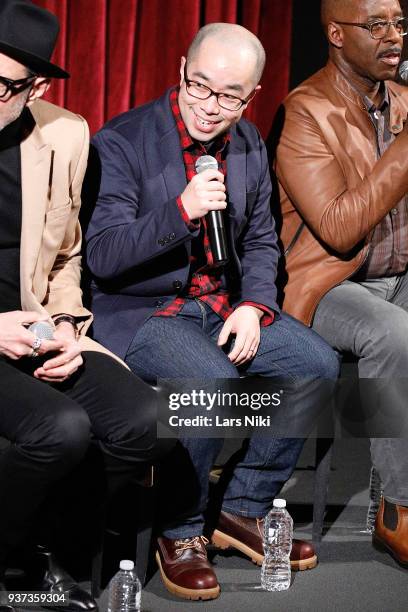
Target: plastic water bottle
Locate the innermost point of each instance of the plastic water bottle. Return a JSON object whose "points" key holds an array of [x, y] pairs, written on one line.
{"points": [[278, 532], [375, 493], [125, 590]]}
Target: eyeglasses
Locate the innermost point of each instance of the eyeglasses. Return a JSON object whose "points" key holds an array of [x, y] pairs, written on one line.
{"points": [[380, 29], [9, 87], [202, 92]]}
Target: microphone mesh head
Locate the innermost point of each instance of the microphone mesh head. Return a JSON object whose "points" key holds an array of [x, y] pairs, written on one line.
{"points": [[403, 71], [206, 162], [42, 329]]}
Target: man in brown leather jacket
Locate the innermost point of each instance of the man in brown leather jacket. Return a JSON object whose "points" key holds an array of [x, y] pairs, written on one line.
{"points": [[342, 165]]}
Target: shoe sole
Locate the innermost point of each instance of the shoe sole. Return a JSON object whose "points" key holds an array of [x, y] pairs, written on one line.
{"points": [[383, 547], [224, 541], [192, 594]]}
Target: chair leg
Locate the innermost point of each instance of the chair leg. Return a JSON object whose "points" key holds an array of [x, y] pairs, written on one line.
{"points": [[96, 573], [144, 532], [145, 494], [97, 559], [324, 451]]}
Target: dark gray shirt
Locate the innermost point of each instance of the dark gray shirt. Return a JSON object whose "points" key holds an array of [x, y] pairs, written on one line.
{"points": [[10, 216], [388, 252]]}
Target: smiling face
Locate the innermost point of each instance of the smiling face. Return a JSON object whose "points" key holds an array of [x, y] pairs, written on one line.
{"points": [[362, 56], [224, 68]]}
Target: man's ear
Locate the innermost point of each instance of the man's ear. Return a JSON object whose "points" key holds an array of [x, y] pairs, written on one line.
{"points": [[38, 89], [257, 88], [335, 34], [182, 64]]}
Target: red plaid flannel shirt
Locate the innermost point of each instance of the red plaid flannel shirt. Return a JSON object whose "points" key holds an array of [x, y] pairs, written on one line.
{"points": [[205, 282]]}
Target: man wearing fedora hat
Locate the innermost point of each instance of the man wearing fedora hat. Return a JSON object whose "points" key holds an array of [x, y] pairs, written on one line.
{"points": [[53, 395]]}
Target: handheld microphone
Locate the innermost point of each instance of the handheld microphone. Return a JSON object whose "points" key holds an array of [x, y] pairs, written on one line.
{"points": [[42, 329], [214, 218], [403, 71]]}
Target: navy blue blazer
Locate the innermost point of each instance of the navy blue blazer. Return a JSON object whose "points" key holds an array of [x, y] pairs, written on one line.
{"points": [[137, 244]]}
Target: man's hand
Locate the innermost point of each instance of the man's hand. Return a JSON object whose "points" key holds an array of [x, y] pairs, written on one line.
{"points": [[16, 341], [205, 192], [244, 323], [63, 365]]}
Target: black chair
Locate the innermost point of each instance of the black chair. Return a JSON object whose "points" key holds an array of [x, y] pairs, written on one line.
{"points": [[135, 526], [323, 460]]}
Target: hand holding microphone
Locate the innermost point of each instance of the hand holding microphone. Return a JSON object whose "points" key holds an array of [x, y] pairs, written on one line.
{"points": [[205, 195], [43, 330], [205, 192], [17, 341], [62, 363]]}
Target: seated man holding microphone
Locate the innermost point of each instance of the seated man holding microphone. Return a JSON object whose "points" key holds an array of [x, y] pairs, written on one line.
{"points": [[166, 299]]}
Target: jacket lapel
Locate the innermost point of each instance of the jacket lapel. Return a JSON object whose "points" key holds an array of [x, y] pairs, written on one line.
{"points": [[236, 176], [36, 158], [173, 166], [171, 155]]}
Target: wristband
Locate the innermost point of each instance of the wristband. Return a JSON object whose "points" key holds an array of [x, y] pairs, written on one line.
{"points": [[65, 318]]}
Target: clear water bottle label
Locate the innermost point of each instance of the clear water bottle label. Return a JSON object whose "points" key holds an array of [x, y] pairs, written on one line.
{"points": [[272, 532]]}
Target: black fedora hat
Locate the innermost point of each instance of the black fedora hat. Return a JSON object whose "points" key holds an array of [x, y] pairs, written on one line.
{"points": [[28, 34]]}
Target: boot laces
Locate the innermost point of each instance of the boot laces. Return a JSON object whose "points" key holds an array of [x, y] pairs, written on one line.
{"points": [[194, 543]]}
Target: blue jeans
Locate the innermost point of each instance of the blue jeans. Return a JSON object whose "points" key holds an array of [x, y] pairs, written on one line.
{"points": [[186, 347]]}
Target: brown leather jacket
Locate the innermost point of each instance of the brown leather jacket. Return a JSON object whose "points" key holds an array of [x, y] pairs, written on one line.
{"points": [[332, 181]]}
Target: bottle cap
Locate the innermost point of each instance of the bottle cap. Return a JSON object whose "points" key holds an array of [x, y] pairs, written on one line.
{"points": [[279, 503], [127, 565]]}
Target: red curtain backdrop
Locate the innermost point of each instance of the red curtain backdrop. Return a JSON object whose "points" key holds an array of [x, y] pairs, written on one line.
{"points": [[122, 53]]}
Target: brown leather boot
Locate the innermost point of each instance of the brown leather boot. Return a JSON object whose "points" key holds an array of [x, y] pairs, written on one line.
{"points": [[391, 531], [185, 569], [246, 535]]}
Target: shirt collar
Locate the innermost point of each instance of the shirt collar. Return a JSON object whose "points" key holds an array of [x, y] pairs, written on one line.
{"points": [[371, 107]]}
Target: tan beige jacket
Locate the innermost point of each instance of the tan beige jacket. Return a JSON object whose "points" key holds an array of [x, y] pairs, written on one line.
{"points": [[53, 161], [331, 180]]}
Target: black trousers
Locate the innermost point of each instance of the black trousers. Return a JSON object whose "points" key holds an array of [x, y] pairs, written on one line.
{"points": [[50, 427]]}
